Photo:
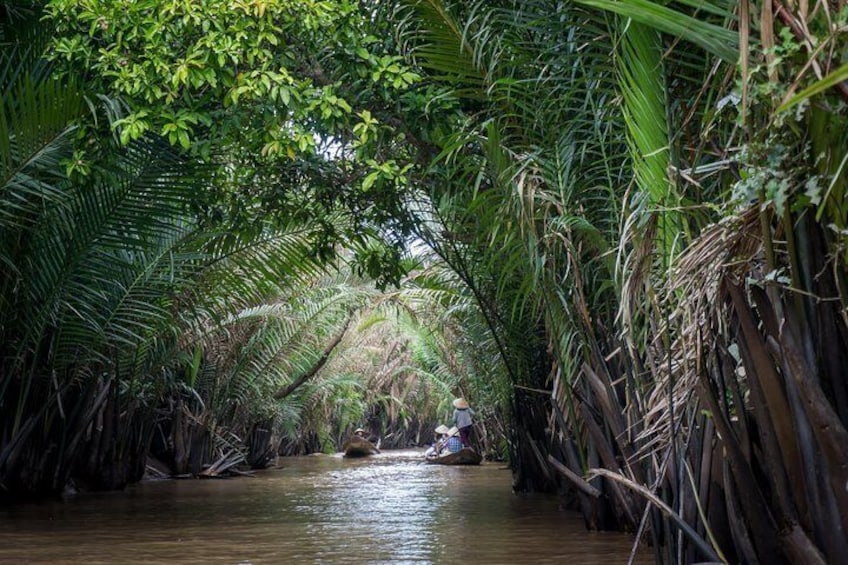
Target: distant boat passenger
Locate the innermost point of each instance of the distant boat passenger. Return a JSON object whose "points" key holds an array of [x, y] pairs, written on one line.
{"points": [[358, 445], [453, 444], [439, 445], [462, 417]]}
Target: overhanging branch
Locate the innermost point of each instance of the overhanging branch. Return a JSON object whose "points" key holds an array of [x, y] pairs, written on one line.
{"points": [[295, 384]]}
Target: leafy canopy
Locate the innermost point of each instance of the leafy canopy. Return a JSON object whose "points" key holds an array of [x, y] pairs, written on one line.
{"points": [[207, 70], [289, 95]]}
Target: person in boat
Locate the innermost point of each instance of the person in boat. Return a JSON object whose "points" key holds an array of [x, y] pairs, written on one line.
{"points": [[462, 419], [453, 443], [364, 434], [439, 445], [360, 444]]}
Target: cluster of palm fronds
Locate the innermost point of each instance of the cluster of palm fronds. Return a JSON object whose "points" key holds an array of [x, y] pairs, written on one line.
{"points": [[130, 322], [405, 355], [109, 283], [133, 323], [678, 378]]}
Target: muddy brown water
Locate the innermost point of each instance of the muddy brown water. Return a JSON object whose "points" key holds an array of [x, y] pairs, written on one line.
{"points": [[386, 509]]}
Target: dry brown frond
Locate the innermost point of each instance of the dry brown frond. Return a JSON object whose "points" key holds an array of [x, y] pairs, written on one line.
{"points": [[731, 248]]}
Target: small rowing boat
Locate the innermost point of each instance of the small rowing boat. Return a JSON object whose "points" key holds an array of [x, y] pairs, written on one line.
{"points": [[465, 456], [359, 447]]}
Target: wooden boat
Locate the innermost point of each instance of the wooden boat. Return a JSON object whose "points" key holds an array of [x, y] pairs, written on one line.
{"points": [[359, 447], [465, 456]]}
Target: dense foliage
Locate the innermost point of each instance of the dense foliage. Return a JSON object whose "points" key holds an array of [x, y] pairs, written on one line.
{"points": [[177, 300], [636, 213], [290, 96], [660, 224]]}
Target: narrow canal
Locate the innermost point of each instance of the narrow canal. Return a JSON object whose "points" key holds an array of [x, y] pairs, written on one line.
{"points": [[387, 509]]}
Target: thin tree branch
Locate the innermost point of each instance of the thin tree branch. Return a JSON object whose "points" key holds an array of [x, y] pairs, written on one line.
{"points": [[319, 364]]}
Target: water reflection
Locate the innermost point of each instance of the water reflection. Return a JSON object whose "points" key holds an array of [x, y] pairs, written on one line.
{"points": [[390, 508]]}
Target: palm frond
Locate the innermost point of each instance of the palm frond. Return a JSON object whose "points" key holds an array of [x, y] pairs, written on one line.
{"points": [[714, 39]]}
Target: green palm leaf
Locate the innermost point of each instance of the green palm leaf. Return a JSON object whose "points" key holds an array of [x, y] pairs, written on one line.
{"points": [[713, 38]]}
